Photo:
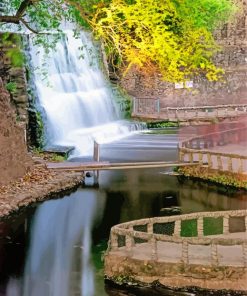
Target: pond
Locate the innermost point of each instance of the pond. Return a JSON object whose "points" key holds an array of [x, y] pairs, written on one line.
{"points": [[56, 247]]}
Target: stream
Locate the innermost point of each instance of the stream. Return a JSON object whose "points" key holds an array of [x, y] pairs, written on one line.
{"points": [[56, 247]]}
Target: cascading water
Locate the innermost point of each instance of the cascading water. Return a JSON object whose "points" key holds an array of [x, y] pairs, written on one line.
{"points": [[75, 98], [78, 107]]}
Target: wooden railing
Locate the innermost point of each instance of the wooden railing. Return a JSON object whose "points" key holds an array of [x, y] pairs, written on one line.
{"points": [[151, 108], [126, 236], [193, 150]]}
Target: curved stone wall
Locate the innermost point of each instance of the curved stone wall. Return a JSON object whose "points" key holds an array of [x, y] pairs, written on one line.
{"points": [[187, 250]]}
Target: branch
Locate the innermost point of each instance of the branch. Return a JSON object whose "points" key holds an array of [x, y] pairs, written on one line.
{"points": [[79, 8], [24, 5], [9, 19], [27, 25]]}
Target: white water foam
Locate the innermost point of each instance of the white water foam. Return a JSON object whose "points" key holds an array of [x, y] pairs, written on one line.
{"points": [[76, 98]]}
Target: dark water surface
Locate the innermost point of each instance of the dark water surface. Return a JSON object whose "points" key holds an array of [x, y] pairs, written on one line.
{"points": [[45, 249]]}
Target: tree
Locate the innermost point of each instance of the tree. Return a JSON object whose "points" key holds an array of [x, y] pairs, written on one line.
{"points": [[173, 37]]}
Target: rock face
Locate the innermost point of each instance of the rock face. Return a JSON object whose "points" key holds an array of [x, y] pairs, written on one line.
{"points": [[14, 159], [233, 59]]}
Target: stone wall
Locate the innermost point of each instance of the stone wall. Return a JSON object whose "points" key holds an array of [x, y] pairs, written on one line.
{"points": [[17, 75], [233, 59], [14, 159]]}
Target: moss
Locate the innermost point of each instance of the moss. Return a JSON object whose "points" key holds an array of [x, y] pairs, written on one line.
{"points": [[40, 130]]}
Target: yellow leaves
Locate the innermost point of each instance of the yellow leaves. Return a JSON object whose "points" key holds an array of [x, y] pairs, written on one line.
{"points": [[152, 32]]}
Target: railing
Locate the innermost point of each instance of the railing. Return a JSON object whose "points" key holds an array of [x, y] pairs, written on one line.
{"points": [[152, 108], [128, 236], [193, 150], [214, 160]]}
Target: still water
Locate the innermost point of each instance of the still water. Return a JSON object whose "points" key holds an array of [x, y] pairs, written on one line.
{"points": [[55, 248]]}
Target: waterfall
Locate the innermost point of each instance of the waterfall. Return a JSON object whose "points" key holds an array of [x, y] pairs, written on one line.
{"points": [[75, 98]]}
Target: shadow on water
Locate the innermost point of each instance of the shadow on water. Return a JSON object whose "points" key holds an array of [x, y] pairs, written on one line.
{"points": [[45, 250]]}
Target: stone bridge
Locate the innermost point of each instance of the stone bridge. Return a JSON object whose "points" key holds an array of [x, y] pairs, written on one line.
{"points": [[151, 109], [207, 249]]}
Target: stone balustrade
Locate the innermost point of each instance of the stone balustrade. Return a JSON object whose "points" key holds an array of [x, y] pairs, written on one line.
{"points": [[193, 150], [151, 108], [128, 236]]}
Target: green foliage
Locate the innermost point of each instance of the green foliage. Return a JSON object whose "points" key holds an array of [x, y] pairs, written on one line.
{"points": [[48, 156], [162, 124], [13, 42], [11, 87], [173, 37]]}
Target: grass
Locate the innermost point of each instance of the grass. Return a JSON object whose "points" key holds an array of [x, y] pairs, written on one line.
{"points": [[49, 156]]}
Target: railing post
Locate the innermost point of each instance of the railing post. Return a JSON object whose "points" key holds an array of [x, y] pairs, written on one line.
{"points": [[114, 241], [229, 166], [129, 241], [200, 226], [200, 158], [214, 255], [185, 252], [241, 165], [219, 163], [150, 227], [96, 151], [225, 224], [177, 228], [190, 157], [181, 156], [209, 160], [244, 249], [154, 255]]}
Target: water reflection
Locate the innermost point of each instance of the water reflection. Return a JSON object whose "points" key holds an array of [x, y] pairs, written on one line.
{"points": [[60, 247]]}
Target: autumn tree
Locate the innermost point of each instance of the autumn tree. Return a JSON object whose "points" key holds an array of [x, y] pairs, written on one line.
{"points": [[173, 37]]}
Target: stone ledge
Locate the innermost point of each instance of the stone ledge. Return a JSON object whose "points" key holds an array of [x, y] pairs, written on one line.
{"points": [[22, 193], [176, 275]]}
